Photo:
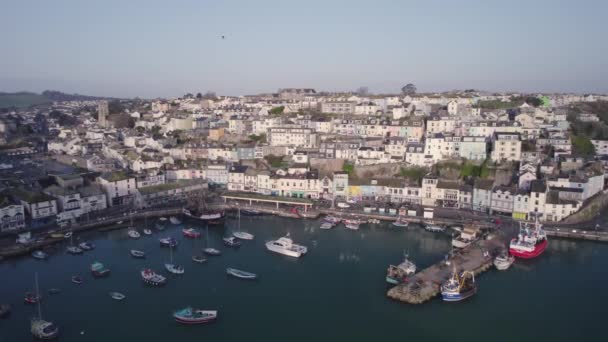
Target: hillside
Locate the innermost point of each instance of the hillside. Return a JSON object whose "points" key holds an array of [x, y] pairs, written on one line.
{"points": [[22, 99]]}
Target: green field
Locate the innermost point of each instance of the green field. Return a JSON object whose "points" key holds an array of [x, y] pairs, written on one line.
{"points": [[21, 100]]}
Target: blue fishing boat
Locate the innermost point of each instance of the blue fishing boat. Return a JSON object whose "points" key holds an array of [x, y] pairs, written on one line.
{"points": [[241, 274], [194, 316], [459, 287]]}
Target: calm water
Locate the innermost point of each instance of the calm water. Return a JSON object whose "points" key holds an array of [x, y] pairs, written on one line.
{"points": [[336, 292]]}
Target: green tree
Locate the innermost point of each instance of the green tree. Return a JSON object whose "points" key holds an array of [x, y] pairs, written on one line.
{"points": [[348, 168], [277, 110], [274, 161], [408, 89], [582, 146]]}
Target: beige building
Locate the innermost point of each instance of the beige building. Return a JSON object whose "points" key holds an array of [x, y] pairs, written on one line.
{"points": [[506, 147]]}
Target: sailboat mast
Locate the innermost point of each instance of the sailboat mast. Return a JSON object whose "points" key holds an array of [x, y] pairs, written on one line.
{"points": [[38, 295]]}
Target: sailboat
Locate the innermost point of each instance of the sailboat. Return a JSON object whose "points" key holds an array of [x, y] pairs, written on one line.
{"points": [[71, 248], [208, 250], [133, 233], [147, 230], [197, 257], [241, 234], [171, 267], [40, 328]]}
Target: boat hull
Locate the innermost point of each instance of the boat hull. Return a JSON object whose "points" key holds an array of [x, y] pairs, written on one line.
{"points": [[538, 250], [458, 296]]}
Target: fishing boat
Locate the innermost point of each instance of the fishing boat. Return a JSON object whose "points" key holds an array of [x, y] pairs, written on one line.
{"points": [[286, 246], [401, 223], [503, 261], [152, 278], [40, 255], [32, 298], [231, 241], [433, 228], [191, 233], [74, 250], [398, 274], [212, 251], [147, 231], [239, 233], [39, 327], [326, 225], [352, 224], [137, 254], [530, 242], [168, 242], [53, 291], [466, 237], [77, 280], [133, 234], [174, 220], [194, 316], [332, 219], [86, 246], [99, 270], [241, 274], [5, 310], [459, 286], [117, 295], [171, 267]]}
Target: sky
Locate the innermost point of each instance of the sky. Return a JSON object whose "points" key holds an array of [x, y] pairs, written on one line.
{"points": [[157, 48]]}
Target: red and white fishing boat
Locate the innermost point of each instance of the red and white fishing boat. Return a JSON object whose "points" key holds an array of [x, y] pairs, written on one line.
{"points": [[191, 233], [530, 242]]}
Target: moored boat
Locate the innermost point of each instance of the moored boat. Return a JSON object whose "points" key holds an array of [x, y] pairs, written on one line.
{"points": [[243, 235], [174, 220], [152, 278], [77, 280], [212, 251], [39, 327], [332, 219], [251, 212], [199, 258], [31, 298], [133, 234], [40, 255], [171, 267], [241, 274], [147, 231], [398, 274], [99, 270], [194, 316], [137, 254], [74, 250], [117, 295], [352, 224], [529, 243], [231, 241], [86, 246], [54, 291], [191, 233], [434, 228], [326, 225], [503, 261], [401, 223], [286, 246], [57, 235], [168, 242], [459, 286]]}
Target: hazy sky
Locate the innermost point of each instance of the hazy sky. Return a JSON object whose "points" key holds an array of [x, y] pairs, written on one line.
{"points": [[166, 48]]}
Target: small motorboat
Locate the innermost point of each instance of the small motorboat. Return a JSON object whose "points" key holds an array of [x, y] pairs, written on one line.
{"points": [[147, 231], [133, 234], [54, 291], [231, 241], [77, 280], [31, 298], [86, 246], [191, 233], [44, 330], [352, 224], [326, 225], [117, 295], [199, 258], [401, 223], [162, 219], [175, 269], [212, 251], [241, 274], [5, 310], [74, 250], [137, 254], [40, 255], [332, 219], [57, 235], [251, 212], [194, 316], [243, 235], [67, 235], [168, 242], [119, 222], [174, 220], [503, 262], [152, 278], [160, 226], [434, 228], [99, 270], [374, 221]]}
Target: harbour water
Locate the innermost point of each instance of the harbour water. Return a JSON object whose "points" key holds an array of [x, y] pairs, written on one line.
{"points": [[335, 292]]}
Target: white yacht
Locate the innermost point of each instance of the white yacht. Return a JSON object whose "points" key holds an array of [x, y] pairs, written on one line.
{"points": [[503, 262], [286, 246]]}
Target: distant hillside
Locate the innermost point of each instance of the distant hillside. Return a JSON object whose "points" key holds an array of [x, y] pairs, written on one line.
{"points": [[22, 99], [25, 99]]}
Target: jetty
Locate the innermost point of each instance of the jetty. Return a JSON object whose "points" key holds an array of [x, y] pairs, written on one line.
{"points": [[425, 285]]}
